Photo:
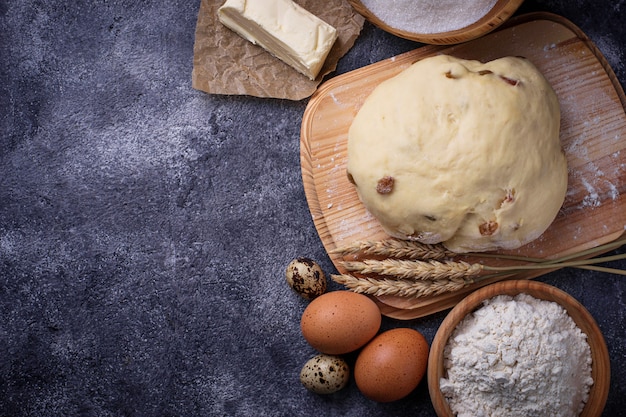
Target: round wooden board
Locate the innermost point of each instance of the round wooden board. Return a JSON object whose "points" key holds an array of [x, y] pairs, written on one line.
{"points": [[593, 128]]}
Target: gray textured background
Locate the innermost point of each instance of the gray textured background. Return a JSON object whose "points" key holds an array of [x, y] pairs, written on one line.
{"points": [[145, 226]]}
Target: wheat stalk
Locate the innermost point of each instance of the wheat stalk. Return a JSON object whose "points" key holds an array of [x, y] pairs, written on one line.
{"points": [[419, 278], [396, 248], [401, 287], [581, 254], [414, 269], [433, 270]]}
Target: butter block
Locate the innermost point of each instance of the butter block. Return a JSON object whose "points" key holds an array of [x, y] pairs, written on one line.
{"points": [[284, 29]]}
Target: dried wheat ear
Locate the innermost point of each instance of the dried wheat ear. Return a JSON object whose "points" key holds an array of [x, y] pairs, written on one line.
{"points": [[413, 269]]}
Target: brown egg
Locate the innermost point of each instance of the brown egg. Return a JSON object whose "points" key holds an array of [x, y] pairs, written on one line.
{"points": [[391, 365], [339, 322]]}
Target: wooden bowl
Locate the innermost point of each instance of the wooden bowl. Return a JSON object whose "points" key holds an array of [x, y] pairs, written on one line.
{"points": [[600, 367], [499, 13]]}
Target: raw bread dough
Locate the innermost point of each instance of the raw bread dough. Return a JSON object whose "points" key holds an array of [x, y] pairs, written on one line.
{"points": [[461, 152]]}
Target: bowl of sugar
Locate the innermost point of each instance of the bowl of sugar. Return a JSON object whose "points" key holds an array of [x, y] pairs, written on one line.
{"points": [[437, 22], [522, 346]]}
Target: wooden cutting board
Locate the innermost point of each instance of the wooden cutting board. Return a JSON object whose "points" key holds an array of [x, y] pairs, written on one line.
{"points": [[593, 133]]}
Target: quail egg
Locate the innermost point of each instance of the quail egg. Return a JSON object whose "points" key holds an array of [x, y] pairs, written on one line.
{"points": [[325, 374], [306, 277]]}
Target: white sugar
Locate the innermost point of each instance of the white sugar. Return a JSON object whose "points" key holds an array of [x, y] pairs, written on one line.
{"points": [[429, 16]]}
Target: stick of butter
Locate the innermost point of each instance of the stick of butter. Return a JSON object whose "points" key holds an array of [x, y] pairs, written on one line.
{"points": [[284, 29]]}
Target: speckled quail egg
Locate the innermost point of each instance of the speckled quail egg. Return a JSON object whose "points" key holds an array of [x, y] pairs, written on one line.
{"points": [[325, 374], [306, 277]]}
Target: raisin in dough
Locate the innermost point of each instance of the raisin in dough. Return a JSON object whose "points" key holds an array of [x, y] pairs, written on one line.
{"points": [[461, 152]]}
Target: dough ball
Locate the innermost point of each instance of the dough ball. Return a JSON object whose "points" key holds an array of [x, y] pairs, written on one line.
{"points": [[461, 152]]}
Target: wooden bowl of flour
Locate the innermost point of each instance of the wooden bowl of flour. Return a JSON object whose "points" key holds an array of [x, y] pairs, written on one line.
{"points": [[600, 366], [444, 22]]}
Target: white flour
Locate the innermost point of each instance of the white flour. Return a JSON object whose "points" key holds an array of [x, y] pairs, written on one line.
{"points": [[517, 356], [429, 16]]}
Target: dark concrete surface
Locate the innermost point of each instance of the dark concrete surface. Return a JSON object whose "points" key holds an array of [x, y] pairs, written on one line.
{"points": [[145, 226]]}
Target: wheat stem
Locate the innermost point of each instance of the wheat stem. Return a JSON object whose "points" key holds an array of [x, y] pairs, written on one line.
{"points": [[396, 248], [556, 264], [420, 279], [432, 276], [401, 287], [413, 269], [432, 270], [602, 269], [602, 248]]}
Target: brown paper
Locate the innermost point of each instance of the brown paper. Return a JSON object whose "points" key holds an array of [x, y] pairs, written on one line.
{"points": [[225, 63]]}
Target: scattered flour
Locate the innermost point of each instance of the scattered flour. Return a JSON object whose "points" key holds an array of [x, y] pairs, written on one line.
{"points": [[429, 16], [517, 356]]}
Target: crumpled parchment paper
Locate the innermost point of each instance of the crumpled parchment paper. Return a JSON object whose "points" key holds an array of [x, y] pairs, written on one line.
{"points": [[225, 63]]}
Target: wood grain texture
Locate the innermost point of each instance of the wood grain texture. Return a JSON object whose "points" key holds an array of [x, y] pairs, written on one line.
{"points": [[593, 128], [501, 11], [600, 367]]}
